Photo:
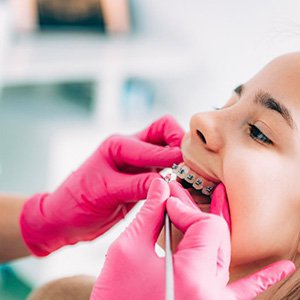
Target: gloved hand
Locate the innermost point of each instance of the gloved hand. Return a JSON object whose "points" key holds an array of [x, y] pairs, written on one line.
{"points": [[132, 269], [102, 190], [202, 258]]}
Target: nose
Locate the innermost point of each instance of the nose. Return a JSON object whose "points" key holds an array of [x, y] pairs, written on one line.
{"points": [[208, 129]]}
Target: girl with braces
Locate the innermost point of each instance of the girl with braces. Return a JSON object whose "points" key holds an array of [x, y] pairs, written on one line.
{"points": [[245, 238]]}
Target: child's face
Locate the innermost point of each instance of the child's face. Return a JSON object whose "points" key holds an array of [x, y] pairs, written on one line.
{"points": [[259, 166]]}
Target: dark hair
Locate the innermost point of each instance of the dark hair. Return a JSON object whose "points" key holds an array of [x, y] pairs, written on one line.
{"points": [[293, 288], [294, 293]]}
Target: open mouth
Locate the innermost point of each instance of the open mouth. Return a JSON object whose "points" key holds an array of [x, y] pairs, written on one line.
{"points": [[203, 201], [199, 187], [209, 196]]}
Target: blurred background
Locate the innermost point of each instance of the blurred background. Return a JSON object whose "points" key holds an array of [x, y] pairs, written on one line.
{"points": [[73, 72]]}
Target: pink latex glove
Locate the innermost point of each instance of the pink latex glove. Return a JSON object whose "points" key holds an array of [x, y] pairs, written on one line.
{"points": [[132, 269], [202, 258], [102, 190]]}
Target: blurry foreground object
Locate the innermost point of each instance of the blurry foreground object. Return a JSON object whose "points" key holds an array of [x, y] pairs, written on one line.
{"points": [[100, 15], [12, 287]]}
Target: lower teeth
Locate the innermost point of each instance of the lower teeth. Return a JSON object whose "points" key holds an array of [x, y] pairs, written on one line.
{"points": [[188, 185]]}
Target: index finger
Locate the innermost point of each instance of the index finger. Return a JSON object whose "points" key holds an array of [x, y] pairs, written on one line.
{"points": [[141, 154], [164, 131]]}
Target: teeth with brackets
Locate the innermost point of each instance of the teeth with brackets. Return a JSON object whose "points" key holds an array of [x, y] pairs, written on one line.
{"points": [[198, 183]]}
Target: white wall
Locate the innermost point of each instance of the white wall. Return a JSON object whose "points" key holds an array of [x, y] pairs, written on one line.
{"points": [[231, 40]]}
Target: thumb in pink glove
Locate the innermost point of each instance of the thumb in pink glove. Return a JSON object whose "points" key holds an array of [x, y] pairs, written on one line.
{"points": [[102, 190], [132, 269], [202, 258]]}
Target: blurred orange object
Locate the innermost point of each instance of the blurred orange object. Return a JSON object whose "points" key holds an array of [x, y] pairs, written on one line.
{"points": [[24, 15], [116, 15], [102, 15]]}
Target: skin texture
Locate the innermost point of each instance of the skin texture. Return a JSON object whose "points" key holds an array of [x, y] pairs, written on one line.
{"points": [[69, 288], [12, 245], [261, 179]]}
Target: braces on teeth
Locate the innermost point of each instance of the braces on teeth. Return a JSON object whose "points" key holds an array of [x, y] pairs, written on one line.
{"points": [[170, 174], [197, 182]]}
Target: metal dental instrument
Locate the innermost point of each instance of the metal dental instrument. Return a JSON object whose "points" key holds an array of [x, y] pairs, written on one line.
{"points": [[169, 260], [168, 176]]}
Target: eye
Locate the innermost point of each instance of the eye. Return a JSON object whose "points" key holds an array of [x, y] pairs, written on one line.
{"points": [[257, 135]]}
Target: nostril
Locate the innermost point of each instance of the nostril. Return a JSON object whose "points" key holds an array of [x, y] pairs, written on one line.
{"points": [[201, 136]]}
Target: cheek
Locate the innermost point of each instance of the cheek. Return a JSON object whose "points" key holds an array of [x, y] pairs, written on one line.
{"points": [[257, 200]]}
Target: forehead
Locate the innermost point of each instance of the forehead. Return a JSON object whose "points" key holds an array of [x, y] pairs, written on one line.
{"points": [[281, 78]]}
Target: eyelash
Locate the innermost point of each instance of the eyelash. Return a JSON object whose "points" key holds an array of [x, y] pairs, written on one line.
{"points": [[254, 132], [257, 135]]}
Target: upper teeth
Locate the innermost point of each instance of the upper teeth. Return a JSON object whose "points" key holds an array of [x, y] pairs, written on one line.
{"points": [[197, 181], [190, 178]]}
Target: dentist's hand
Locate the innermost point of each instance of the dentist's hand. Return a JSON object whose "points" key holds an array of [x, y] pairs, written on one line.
{"points": [[132, 269], [102, 190], [202, 258], [201, 262]]}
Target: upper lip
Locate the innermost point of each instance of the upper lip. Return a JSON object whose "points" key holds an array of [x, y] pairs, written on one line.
{"points": [[200, 172]]}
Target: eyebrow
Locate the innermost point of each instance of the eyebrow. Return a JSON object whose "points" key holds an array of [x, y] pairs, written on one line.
{"points": [[267, 101]]}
